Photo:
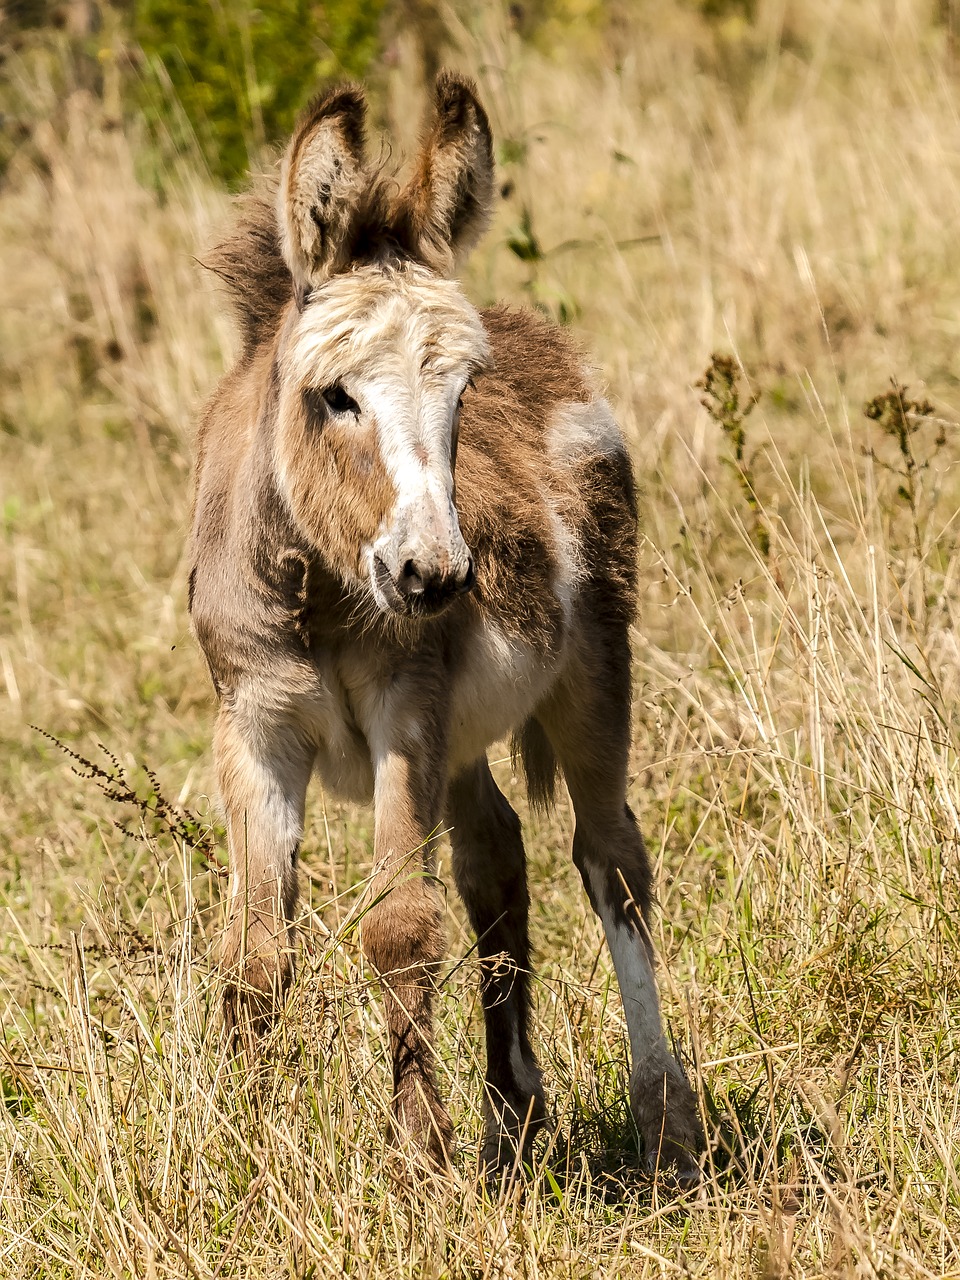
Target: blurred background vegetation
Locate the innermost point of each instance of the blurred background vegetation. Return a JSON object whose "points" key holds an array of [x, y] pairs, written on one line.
{"points": [[229, 76]]}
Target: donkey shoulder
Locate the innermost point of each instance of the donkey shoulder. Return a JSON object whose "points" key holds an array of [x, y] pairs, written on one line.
{"points": [[545, 389], [544, 486]]}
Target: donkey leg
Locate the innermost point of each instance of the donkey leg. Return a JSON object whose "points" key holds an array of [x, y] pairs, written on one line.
{"points": [[263, 765], [612, 860], [589, 726], [491, 874], [402, 935]]}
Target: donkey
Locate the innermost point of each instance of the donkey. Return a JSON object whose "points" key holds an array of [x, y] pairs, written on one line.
{"points": [[415, 534]]}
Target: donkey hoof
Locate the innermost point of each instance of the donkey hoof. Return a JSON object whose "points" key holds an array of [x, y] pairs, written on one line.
{"points": [[499, 1158], [509, 1136], [250, 1006], [678, 1167], [665, 1109], [255, 986], [421, 1129]]}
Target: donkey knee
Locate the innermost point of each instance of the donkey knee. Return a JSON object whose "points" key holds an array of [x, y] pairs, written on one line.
{"points": [[402, 937], [613, 863], [402, 933]]}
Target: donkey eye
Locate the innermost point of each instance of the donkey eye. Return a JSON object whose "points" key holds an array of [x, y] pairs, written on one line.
{"points": [[337, 400]]}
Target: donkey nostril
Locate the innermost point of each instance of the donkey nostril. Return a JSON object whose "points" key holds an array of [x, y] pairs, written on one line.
{"points": [[410, 580], [470, 577]]}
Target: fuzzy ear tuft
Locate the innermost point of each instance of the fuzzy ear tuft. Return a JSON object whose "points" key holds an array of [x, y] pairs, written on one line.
{"points": [[448, 201], [321, 183]]}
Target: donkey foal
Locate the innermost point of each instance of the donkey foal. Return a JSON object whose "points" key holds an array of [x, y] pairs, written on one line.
{"points": [[414, 534]]}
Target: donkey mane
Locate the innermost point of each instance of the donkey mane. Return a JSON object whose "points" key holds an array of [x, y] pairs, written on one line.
{"points": [[248, 261]]}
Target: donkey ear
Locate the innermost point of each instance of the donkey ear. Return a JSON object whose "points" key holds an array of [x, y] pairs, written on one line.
{"points": [[321, 182], [449, 199]]}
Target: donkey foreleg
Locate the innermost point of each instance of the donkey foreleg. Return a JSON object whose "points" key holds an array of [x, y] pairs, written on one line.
{"points": [[491, 875], [403, 938], [263, 765]]}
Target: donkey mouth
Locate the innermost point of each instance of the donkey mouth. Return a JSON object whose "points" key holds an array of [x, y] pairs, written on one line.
{"points": [[425, 602], [385, 590]]}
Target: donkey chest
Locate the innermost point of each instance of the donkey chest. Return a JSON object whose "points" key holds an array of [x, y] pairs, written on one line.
{"points": [[343, 760], [492, 685]]}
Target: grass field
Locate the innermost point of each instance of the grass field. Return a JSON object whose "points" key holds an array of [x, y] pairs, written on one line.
{"points": [[785, 192]]}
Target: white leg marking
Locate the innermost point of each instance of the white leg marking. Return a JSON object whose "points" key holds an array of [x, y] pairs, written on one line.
{"points": [[638, 985], [662, 1103]]}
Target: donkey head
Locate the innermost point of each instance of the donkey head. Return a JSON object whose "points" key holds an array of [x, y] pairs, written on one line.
{"points": [[378, 351]]}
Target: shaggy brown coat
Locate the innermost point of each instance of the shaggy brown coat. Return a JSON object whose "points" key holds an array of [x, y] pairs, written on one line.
{"points": [[415, 532]]}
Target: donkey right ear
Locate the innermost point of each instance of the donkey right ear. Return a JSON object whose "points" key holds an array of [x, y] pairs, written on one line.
{"points": [[449, 200], [321, 181]]}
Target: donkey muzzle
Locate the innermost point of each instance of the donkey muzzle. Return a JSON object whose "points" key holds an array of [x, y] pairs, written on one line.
{"points": [[428, 582], [419, 576], [419, 588]]}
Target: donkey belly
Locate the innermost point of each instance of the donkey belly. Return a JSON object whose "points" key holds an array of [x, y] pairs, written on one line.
{"points": [[500, 681]]}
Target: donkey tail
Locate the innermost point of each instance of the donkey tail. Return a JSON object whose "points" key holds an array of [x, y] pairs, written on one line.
{"points": [[531, 747]]}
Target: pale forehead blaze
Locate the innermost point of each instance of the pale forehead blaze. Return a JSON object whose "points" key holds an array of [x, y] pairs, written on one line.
{"points": [[370, 325], [402, 342]]}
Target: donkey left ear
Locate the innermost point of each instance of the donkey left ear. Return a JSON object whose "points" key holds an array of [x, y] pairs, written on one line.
{"points": [[449, 199], [321, 184]]}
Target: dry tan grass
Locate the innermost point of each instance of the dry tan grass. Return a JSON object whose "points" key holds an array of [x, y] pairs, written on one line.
{"points": [[788, 192]]}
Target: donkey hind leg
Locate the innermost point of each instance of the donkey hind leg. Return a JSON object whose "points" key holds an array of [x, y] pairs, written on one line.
{"points": [[589, 727], [491, 876], [262, 768], [611, 857]]}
